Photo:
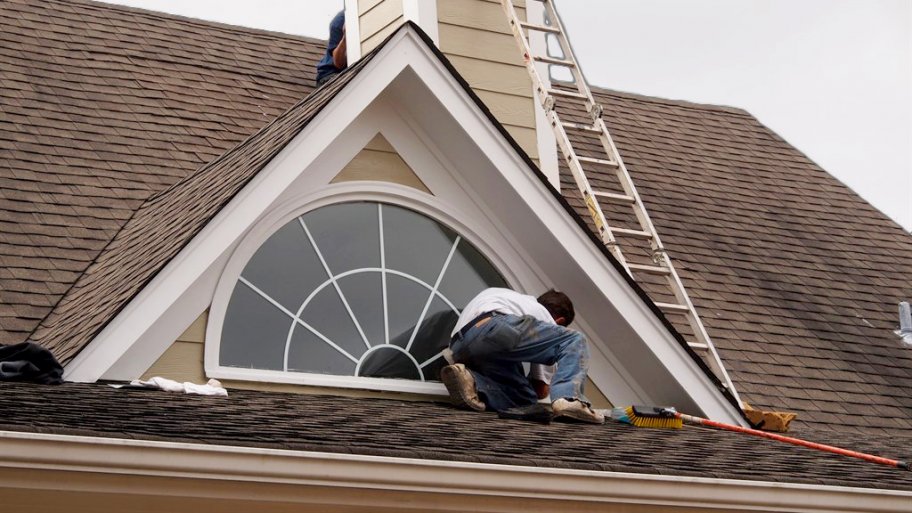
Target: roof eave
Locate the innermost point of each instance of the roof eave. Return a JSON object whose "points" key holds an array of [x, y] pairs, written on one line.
{"points": [[70, 465]]}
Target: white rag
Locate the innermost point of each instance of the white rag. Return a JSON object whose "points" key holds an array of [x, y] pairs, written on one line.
{"points": [[212, 387]]}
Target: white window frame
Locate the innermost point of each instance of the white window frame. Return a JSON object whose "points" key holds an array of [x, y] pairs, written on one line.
{"points": [[385, 193]]}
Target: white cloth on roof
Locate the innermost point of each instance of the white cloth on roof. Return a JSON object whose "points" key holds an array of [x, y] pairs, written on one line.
{"points": [[510, 302], [212, 387]]}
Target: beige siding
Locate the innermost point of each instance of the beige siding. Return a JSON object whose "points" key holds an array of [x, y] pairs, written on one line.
{"points": [[493, 76], [377, 20], [197, 331], [595, 395], [379, 161], [476, 37], [183, 361], [482, 14], [367, 5]]}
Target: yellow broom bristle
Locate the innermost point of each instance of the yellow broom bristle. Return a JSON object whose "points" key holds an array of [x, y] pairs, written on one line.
{"points": [[653, 422]]}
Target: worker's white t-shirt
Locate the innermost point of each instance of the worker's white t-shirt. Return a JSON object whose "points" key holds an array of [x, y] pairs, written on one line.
{"points": [[510, 302]]}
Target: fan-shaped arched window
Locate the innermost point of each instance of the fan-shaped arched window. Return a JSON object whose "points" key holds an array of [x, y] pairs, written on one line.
{"points": [[353, 289]]}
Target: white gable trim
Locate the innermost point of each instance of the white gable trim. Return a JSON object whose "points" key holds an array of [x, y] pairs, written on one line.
{"points": [[446, 138]]}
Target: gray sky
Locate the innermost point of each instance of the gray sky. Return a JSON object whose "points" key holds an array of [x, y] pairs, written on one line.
{"points": [[833, 77]]}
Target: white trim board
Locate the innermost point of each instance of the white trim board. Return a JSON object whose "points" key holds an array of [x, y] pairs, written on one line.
{"points": [[140, 471], [480, 182]]}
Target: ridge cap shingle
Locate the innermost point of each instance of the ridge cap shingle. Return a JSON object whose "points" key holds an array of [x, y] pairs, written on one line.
{"points": [[598, 90]]}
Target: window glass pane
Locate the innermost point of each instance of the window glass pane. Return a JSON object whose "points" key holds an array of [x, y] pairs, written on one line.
{"points": [[254, 332], [468, 273], [347, 235], [365, 297], [406, 299], [308, 353], [386, 362], [434, 334], [415, 244], [286, 267], [326, 314]]}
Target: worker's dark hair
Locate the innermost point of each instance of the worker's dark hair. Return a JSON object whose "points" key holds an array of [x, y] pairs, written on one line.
{"points": [[558, 305]]}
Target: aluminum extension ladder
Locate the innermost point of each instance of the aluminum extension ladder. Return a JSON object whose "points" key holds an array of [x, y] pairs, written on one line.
{"points": [[616, 196]]}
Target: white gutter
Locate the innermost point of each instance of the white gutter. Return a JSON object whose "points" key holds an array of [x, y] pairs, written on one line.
{"points": [[91, 465]]}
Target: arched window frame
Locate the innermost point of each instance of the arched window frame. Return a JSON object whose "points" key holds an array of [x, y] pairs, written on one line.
{"points": [[452, 216]]}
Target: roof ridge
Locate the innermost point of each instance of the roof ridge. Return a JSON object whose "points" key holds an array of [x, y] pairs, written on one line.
{"points": [[109, 5], [668, 101]]}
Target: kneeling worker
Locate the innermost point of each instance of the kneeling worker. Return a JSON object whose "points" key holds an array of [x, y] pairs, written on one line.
{"points": [[499, 330]]}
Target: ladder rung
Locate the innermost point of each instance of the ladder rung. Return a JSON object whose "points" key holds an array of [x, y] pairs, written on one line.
{"points": [[568, 94], [584, 128], [617, 198], [540, 28], [649, 269], [632, 233], [557, 62], [698, 345], [672, 308], [603, 162]]}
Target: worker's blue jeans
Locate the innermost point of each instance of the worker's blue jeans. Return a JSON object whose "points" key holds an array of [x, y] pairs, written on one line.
{"points": [[495, 351]]}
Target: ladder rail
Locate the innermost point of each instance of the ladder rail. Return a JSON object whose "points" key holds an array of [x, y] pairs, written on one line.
{"points": [[545, 95], [563, 139]]}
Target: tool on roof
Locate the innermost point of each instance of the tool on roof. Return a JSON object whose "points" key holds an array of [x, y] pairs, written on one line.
{"points": [[625, 221], [667, 417]]}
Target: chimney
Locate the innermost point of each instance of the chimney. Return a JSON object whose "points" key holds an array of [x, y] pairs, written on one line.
{"points": [[475, 37]]}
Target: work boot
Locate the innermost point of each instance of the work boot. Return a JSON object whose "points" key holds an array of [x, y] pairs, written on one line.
{"points": [[577, 410], [461, 386]]}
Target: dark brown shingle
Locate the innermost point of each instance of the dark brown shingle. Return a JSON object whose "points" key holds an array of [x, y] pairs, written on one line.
{"points": [[383, 427], [794, 275], [103, 106]]}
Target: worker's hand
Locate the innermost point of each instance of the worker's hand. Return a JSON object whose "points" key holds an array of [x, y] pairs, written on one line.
{"points": [[541, 388]]}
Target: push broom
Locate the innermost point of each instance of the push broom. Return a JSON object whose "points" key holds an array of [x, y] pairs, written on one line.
{"points": [[650, 416]]}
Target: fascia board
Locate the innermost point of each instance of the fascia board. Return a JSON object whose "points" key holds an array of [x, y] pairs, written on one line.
{"points": [[185, 470]]}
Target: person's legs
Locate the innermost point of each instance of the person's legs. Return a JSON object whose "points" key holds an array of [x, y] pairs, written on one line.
{"points": [[502, 385], [496, 349], [525, 339]]}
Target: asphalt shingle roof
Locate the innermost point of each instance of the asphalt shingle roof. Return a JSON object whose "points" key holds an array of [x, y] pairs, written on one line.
{"points": [[434, 431], [102, 108], [796, 277]]}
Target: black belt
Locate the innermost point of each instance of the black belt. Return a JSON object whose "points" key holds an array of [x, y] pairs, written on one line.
{"points": [[473, 322]]}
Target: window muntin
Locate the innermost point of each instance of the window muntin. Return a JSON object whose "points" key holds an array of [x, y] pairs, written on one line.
{"points": [[360, 289]]}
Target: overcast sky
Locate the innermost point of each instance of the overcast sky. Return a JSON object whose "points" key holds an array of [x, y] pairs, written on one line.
{"points": [[833, 77]]}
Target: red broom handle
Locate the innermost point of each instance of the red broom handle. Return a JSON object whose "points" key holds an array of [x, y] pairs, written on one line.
{"points": [[794, 441]]}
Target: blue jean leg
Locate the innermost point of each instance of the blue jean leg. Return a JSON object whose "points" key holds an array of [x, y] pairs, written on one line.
{"points": [[502, 385], [494, 353]]}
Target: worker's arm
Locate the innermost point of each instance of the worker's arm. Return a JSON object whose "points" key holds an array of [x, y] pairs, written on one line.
{"points": [[340, 56]]}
